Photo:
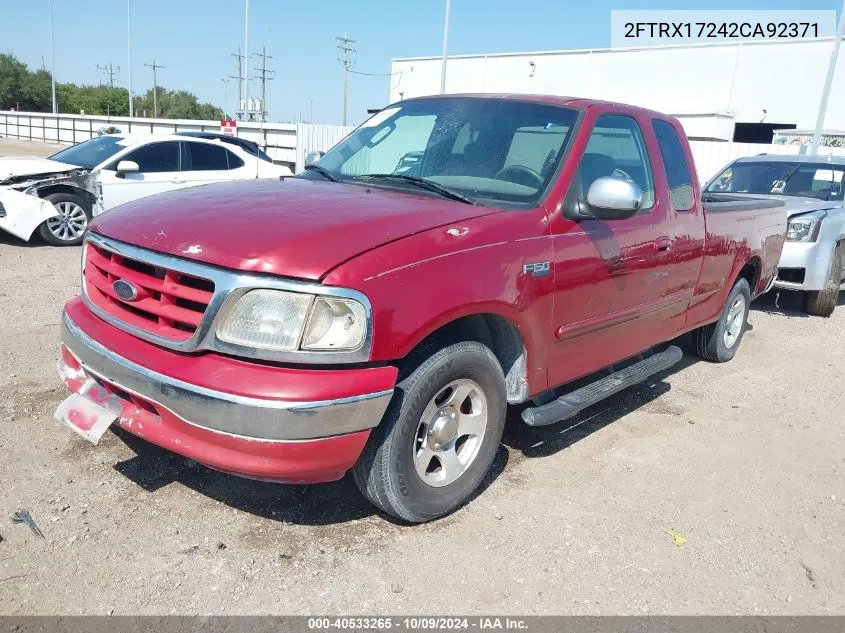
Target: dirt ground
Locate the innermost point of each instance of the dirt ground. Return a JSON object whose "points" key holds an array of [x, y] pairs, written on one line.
{"points": [[745, 460]]}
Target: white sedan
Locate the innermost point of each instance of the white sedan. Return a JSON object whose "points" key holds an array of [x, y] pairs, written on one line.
{"points": [[57, 196]]}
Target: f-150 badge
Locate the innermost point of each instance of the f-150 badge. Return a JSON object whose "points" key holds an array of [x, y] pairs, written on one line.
{"points": [[537, 269]]}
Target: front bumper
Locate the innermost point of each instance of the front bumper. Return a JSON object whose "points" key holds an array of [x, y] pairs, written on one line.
{"points": [[813, 258], [241, 429]]}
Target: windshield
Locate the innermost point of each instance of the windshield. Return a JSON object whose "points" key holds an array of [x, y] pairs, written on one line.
{"points": [[495, 151], [784, 178], [91, 153]]}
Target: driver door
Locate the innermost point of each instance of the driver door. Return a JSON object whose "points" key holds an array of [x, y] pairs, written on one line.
{"points": [[158, 171], [610, 275]]}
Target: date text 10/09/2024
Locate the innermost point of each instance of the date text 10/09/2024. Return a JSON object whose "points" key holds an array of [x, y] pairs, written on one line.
{"points": [[716, 30], [424, 623]]}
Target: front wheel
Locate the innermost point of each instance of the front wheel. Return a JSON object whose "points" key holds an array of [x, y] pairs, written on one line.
{"points": [[439, 436], [823, 302], [719, 341], [67, 228]]}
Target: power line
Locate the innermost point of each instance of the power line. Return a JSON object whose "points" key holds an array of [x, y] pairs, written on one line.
{"points": [[155, 66], [264, 75], [358, 72], [109, 71], [343, 43]]}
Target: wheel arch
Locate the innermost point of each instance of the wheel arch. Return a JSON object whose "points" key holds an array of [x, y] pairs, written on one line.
{"points": [[83, 194], [495, 330]]}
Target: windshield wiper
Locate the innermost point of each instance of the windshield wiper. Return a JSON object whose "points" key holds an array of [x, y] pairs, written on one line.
{"points": [[422, 183], [325, 173]]}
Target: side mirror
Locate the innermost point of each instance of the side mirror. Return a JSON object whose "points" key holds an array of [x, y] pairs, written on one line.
{"points": [[613, 198], [127, 167], [312, 158]]}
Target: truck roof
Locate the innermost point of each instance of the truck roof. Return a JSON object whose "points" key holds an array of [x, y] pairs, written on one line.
{"points": [[572, 102], [792, 158]]}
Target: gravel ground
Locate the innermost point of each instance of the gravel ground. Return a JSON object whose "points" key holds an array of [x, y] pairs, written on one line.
{"points": [[745, 460]]}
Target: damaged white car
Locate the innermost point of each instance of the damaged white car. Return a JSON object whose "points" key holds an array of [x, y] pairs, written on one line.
{"points": [[55, 197], [46, 196]]}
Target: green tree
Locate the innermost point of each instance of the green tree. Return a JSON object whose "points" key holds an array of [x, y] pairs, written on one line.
{"points": [[32, 91]]}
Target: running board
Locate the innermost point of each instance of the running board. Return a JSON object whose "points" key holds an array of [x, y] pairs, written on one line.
{"points": [[572, 403]]}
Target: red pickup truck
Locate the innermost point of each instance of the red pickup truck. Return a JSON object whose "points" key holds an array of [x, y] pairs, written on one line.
{"points": [[450, 257]]}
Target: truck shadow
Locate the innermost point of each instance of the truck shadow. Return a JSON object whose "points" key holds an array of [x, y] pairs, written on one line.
{"points": [[337, 502], [548, 440]]}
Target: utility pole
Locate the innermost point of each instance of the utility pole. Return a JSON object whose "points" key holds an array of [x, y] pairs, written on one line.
{"points": [[53, 62], [343, 43], [225, 81], [828, 82], [129, 50], [246, 58], [265, 76], [240, 77], [445, 48], [109, 71], [154, 66]]}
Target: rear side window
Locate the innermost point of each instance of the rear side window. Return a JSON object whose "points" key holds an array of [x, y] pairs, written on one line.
{"points": [[156, 157], [676, 166], [206, 157], [234, 161]]}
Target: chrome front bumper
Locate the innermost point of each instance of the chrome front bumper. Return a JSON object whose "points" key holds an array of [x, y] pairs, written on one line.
{"points": [[224, 412]]}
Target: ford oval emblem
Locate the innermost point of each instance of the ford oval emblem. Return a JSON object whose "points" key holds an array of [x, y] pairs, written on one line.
{"points": [[126, 290]]}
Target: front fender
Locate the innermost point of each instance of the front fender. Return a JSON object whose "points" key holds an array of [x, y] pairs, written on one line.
{"points": [[418, 284], [23, 213]]}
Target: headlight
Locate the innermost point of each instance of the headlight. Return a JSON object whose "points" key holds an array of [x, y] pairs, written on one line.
{"points": [[805, 228], [335, 324], [286, 321], [266, 319]]}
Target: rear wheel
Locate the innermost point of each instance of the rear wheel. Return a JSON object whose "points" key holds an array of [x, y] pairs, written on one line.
{"points": [[439, 435], [719, 341], [67, 228], [823, 302]]}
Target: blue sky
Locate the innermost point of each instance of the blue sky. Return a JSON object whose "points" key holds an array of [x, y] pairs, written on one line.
{"points": [[193, 39]]}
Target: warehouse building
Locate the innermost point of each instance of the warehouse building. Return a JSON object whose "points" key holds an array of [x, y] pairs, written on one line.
{"points": [[741, 92]]}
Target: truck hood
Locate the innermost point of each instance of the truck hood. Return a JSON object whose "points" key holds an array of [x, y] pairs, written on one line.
{"points": [[296, 227], [796, 205], [12, 168]]}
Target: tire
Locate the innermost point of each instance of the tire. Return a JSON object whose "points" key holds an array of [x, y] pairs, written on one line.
{"points": [[69, 228], [718, 342], [823, 302], [400, 470]]}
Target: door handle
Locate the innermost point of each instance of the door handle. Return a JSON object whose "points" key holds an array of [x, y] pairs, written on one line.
{"points": [[178, 181], [663, 244]]}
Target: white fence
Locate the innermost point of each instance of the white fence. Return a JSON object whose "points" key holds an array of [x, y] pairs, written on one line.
{"points": [[711, 156], [284, 142]]}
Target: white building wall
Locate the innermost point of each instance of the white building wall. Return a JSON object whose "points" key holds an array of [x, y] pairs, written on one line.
{"points": [[735, 79]]}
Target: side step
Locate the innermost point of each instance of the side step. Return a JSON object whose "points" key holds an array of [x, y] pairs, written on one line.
{"points": [[572, 403]]}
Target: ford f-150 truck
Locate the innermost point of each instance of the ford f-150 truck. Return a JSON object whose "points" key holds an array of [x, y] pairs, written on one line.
{"points": [[452, 256]]}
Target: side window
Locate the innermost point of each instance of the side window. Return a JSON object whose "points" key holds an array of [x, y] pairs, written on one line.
{"points": [[234, 161], [156, 157], [681, 193], [617, 148], [206, 157]]}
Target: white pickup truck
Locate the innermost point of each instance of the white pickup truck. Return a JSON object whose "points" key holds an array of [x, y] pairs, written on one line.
{"points": [[57, 196], [812, 187]]}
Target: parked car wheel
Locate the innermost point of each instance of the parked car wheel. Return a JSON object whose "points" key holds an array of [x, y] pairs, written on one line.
{"points": [[69, 226], [438, 437], [719, 341], [823, 302]]}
